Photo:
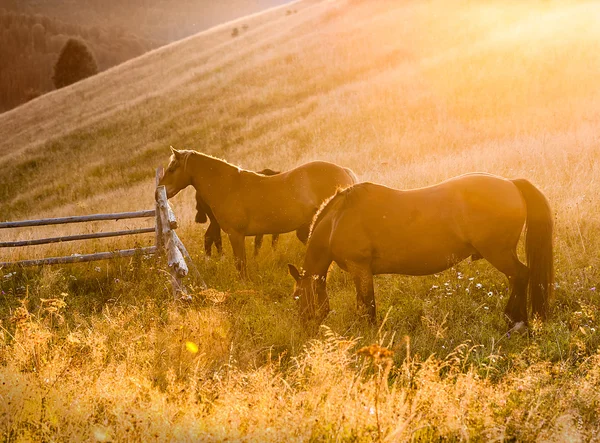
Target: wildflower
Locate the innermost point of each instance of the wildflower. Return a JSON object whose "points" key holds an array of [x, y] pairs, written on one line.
{"points": [[593, 288], [97, 269], [479, 286], [471, 278], [191, 347], [101, 434], [490, 294]]}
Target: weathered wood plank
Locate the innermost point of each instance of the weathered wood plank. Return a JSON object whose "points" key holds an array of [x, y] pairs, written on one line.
{"points": [[171, 217], [67, 238], [175, 258], [158, 225], [168, 221], [78, 219], [189, 260], [81, 258]]}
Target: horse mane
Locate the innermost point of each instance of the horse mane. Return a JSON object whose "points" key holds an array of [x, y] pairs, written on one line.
{"points": [[327, 206], [189, 152]]}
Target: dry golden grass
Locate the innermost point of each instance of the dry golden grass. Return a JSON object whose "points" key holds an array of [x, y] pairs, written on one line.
{"points": [[404, 93]]}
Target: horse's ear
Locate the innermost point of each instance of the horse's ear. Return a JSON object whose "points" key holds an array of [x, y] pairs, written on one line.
{"points": [[294, 272], [175, 153]]}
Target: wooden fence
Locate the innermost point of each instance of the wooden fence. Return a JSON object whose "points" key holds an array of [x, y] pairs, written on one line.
{"points": [[166, 240]]}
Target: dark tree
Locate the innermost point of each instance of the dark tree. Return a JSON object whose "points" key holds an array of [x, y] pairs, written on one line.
{"points": [[74, 63]]}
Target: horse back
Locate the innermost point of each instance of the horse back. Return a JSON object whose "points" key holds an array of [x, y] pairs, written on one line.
{"points": [[320, 180], [423, 230]]}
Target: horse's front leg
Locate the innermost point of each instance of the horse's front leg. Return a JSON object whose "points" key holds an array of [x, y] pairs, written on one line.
{"points": [[365, 291], [238, 244]]}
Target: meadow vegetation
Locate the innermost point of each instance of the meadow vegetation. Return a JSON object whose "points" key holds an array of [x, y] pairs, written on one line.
{"points": [[404, 93]]}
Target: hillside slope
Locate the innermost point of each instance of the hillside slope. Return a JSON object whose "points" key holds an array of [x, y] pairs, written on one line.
{"points": [[407, 94], [32, 33], [161, 20]]}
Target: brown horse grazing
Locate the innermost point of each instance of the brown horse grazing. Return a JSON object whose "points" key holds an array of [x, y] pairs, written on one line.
{"points": [[246, 203], [213, 233], [370, 229]]}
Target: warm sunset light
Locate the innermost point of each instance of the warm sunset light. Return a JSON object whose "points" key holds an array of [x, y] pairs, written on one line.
{"points": [[290, 221]]}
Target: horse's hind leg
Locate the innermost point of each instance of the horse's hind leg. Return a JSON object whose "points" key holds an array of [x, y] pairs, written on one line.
{"points": [[365, 291], [508, 263], [302, 233], [516, 308], [258, 240], [219, 242]]}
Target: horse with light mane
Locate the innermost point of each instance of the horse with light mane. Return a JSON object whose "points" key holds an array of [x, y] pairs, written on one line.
{"points": [[370, 229], [247, 204], [212, 236]]}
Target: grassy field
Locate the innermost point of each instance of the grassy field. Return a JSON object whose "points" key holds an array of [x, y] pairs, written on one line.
{"points": [[404, 93]]}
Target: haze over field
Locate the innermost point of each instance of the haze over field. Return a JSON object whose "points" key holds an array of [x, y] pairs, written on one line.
{"points": [[406, 94], [33, 33]]}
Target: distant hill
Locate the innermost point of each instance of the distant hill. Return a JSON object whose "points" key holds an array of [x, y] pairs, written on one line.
{"points": [[29, 48], [161, 20], [32, 34]]}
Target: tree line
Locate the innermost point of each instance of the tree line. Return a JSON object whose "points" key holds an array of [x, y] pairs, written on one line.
{"points": [[33, 33], [30, 45]]}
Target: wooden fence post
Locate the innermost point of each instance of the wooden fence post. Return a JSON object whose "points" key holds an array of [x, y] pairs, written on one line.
{"points": [[158, 225], [177, 266]]}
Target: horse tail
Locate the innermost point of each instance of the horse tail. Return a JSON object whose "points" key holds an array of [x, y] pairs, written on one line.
{"points": [[538, 246]]}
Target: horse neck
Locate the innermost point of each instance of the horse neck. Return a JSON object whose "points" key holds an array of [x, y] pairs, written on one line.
{"points": [[210, 176], [317, 260]]}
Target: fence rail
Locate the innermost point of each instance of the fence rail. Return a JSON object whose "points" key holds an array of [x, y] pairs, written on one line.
{"points": [[166, 239], [67, 238], [78, 219], [82, 258]]}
